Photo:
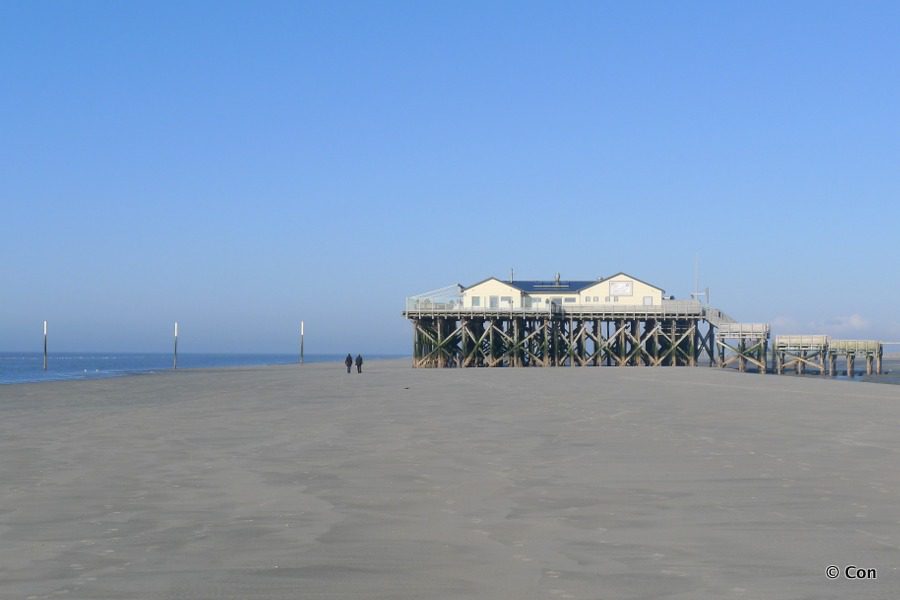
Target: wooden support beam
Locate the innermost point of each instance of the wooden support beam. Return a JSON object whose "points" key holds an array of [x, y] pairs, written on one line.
{"points": [[545, 342], [692, 360], [442, 350], [463, 341], [801, 359], [415, 327], [581, 343], [636, 354], [514, 347], [571, 342], [753, 353], [491, 346], [672, 357], [625, 339]]}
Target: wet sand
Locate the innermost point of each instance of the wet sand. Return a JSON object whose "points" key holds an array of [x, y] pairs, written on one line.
{"points": [[290, 482]]}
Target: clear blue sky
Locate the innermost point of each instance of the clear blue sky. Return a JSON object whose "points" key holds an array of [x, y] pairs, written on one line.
{"points": [[241, 166]]}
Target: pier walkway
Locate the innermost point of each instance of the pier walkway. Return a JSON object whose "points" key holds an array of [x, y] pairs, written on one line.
{"points": [[446, 333]]}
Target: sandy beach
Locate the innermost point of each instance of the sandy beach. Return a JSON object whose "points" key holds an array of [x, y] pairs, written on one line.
{"points": [[306, 482]]}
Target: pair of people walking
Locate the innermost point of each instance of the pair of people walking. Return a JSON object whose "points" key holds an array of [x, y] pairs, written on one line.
{"points": [[349, 362]]}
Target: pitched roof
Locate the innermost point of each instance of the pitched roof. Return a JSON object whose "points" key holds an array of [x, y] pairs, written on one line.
{"points": [[492, 278], [561, 287], [630, 277], [551, 287], [540, 287]]}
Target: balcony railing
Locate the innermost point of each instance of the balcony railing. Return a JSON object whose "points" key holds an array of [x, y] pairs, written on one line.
{"points": [[742, 330], [421, 305], [801, 342]]}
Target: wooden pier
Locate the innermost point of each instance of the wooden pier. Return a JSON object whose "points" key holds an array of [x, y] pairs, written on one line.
{"points": [[821, 353], [800, 352], [743, 344], [451, 332], [870, 351], [675, 334]]}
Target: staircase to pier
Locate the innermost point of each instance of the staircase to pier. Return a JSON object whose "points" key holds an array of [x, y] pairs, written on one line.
{"points": [[716, 317]]}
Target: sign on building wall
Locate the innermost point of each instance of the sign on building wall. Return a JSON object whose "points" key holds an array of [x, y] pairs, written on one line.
{"points": [[620, 288]]}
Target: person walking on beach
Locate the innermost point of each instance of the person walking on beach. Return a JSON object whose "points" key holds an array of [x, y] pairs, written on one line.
{"points": [[348, 361], [359, 363]]}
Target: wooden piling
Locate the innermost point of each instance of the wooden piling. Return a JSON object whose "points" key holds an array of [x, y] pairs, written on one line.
{"points": [[607, 335], [45, 345], [692, 340]]}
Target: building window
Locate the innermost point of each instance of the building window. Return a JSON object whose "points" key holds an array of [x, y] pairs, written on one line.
{"points": [[648, 300], [596, 298], [476, 301], [494, 302], [569, 300]]}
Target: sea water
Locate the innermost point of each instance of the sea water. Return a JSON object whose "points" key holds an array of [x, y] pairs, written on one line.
{"points": [[28, 367]]}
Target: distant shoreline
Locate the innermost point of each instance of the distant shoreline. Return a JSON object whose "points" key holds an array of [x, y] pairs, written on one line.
{"points": [[891, 375], [26, 368]]}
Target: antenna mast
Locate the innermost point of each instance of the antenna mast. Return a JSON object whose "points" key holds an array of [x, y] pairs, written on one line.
{"points": [[697, 293], [696, 275]]}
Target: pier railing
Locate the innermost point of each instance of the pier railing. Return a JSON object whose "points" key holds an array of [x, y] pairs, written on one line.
{"points": [[742, 330], [855, 346], [801, 342], [454, 306], [690, 308], [716, 317]]}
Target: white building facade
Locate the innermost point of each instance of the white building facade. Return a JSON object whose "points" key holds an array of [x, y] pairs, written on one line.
{"points": [[621, 290]]}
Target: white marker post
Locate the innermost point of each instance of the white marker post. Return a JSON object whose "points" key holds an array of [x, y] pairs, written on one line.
{"points": [[45, 345], [301, 342], [175, 354]]}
